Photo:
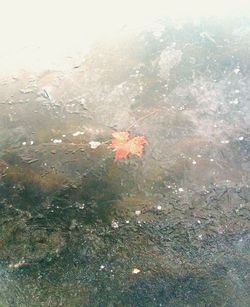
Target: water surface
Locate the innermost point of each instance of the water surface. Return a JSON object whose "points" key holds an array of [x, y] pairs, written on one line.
{"points": [[169, 229]]}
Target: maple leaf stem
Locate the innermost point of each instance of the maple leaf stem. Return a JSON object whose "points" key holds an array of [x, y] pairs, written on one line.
{"points": [[139, 120], [142, 118]]}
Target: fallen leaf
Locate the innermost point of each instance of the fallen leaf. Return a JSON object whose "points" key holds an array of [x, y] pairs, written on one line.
{"points": [[123, 145]]}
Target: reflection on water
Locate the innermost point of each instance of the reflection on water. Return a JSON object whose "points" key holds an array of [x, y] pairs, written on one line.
{"points": [[170, 229]]}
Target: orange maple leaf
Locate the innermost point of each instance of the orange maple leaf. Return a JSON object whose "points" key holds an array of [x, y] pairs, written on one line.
{"points": [[123, 145]]}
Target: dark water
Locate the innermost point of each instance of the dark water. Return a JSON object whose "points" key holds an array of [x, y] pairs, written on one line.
{"points": [[169, 229]]}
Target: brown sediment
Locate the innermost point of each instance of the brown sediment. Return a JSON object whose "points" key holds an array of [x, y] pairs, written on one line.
{"points": [[47, 183]]}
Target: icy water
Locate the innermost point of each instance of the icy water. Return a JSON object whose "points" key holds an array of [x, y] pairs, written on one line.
{"points": [[169, 229]]}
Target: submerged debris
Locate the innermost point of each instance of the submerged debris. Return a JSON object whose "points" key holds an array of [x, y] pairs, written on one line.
{"points": [[136, 271], [94, 145], [114, 225], [57, 141], [77, 133]]}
